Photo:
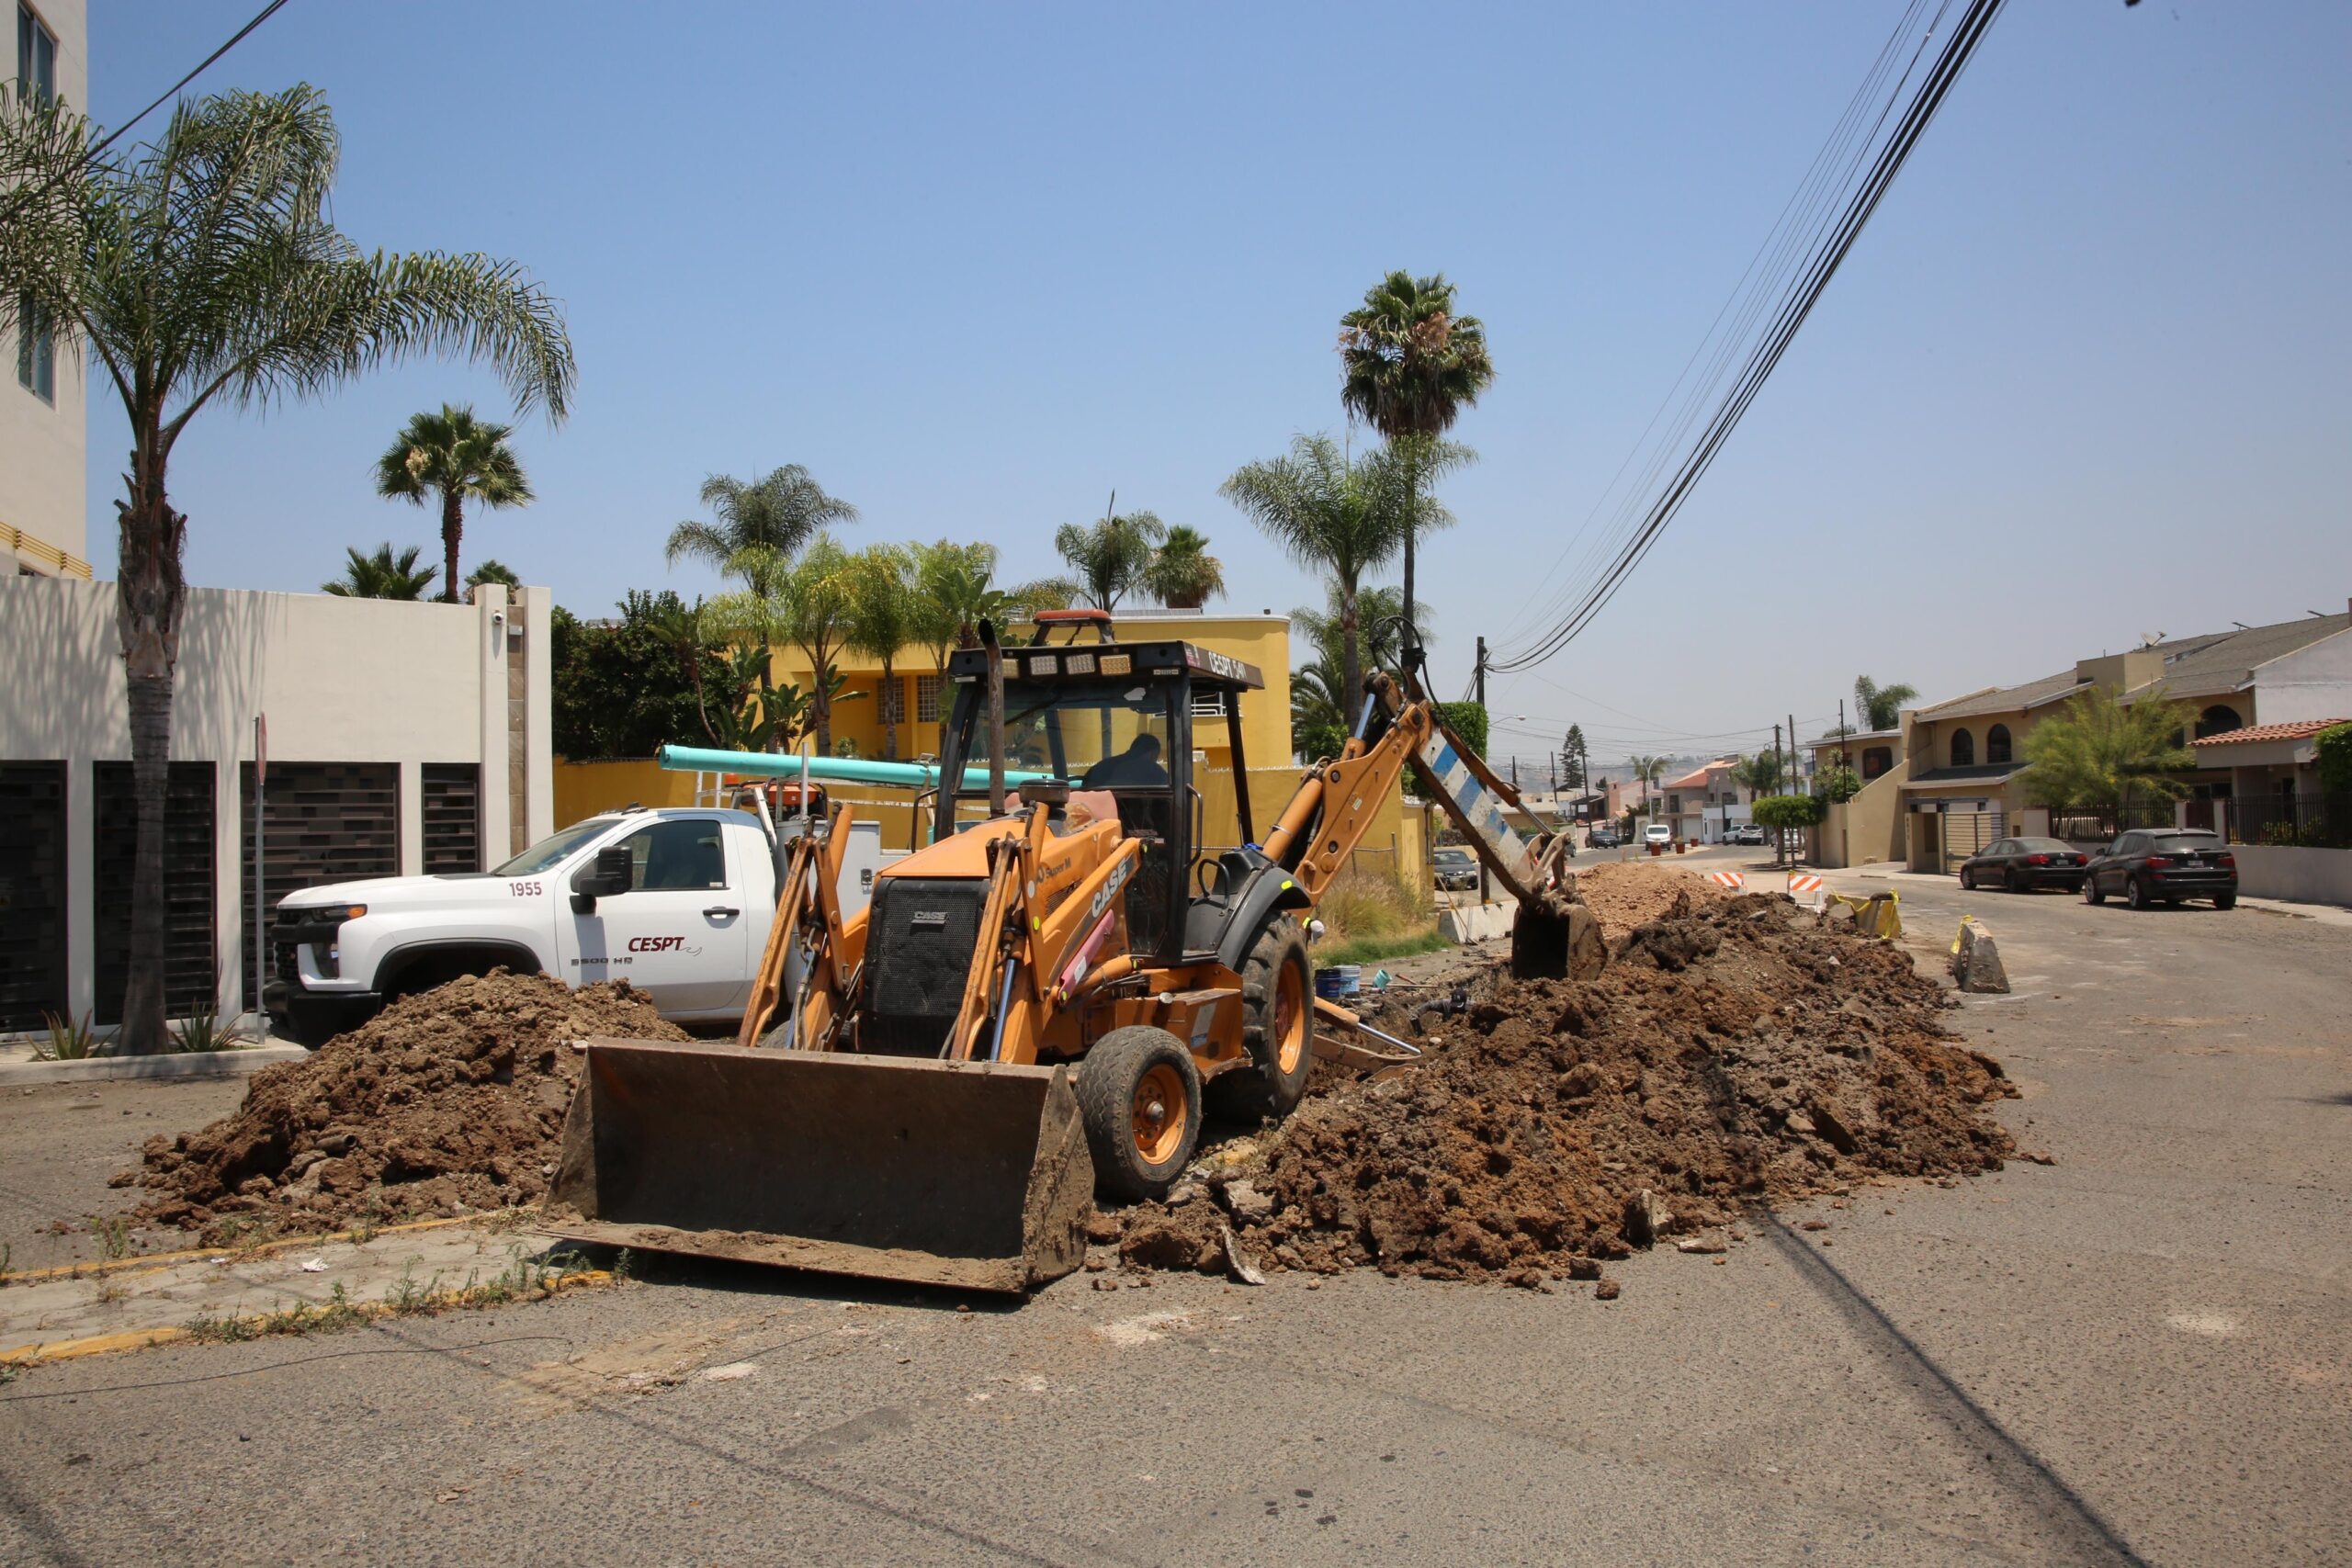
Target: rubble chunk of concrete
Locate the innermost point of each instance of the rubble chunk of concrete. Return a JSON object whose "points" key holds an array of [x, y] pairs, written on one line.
{"points": [[1977, 962]]}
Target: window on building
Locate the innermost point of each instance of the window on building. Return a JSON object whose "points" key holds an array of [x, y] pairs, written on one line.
{"points": [[36, 56], [1963, 748], [1877, 759], [1997, 743], [889, 700], [35, 350], [927, 699], [2219, 720]]}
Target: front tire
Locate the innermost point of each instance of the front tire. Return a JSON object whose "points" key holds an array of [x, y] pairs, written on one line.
{"points": [[1277, 1027], [1967, 880], [1139, 1101]]}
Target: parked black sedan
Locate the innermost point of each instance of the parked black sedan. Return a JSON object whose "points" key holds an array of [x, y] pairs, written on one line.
{"points": [[2165, 866], [2021, 865]]}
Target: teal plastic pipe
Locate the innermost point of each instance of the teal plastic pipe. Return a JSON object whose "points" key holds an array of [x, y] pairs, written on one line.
{"points": [[834, 770]]}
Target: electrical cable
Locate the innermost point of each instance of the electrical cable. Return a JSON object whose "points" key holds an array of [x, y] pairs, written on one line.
{"points": [[265, 14], [1765, 354]]}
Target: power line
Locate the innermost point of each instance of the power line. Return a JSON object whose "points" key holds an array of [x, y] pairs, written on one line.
{"points": [[1795, 307], [265, 14]]}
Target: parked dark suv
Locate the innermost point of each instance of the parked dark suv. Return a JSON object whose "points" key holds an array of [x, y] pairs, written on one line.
{"points": [[2154, 865], [2022, 864]]}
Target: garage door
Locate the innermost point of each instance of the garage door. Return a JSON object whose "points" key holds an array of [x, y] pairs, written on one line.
{"points": [[1966, 832]]}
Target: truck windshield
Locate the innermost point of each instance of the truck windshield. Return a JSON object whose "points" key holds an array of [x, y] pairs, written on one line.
{"points": [[551, 851]]}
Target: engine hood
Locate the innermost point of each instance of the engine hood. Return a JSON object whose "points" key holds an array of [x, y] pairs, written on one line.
{"points": [[389, 895]]}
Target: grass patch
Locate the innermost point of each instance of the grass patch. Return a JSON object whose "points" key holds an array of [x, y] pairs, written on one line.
{"points": [[523, 1280], [1367, 916], [1368, 949]]}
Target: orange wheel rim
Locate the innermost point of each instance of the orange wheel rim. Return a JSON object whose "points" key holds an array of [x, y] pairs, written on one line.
{"points": [[1290, 1019], [1159, 1115]]}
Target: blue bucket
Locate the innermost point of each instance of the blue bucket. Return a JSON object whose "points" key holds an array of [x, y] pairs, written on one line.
{"points": [[1327, 984]]}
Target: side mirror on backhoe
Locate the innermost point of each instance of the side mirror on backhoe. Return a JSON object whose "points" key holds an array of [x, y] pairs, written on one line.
{"points": [[608, 874]]}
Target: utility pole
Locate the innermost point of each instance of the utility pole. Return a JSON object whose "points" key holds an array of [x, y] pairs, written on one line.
{"points": [[1780, 843], [1514, 772], [1486, 891], [1792, 755]]}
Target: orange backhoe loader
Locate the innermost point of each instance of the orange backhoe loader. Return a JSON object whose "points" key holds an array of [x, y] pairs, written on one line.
{"points": [[1039, 1004]]}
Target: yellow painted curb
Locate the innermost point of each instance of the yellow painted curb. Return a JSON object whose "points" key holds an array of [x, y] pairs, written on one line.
{"points": [[262, 1250], [45, 1351]]}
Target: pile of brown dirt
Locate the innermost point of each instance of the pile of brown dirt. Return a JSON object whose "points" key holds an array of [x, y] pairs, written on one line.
{"points": [[1737, 1052], [444, 1103], [1627, 893]]}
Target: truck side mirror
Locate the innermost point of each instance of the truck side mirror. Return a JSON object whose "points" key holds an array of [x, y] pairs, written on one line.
{"points": [[609, 873]]}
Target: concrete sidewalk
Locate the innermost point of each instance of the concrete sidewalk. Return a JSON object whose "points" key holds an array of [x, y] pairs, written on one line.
{"points": [[19, 1066], [1896, 872]]}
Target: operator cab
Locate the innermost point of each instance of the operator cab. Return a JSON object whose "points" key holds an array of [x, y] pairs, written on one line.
{"points": [[1110, 718]]}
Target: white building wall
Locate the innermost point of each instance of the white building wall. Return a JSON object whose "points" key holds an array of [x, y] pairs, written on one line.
{"points": [[339, 680], [43, 483], [2314, 682]]}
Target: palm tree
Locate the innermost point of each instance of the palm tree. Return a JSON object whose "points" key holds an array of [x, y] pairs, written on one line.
{"points": [[956, 590], [1649, 769], [1333, 513], [1882, 706], [381, 576], [885, 614], [759, 526], [1183, 573], [1762, 773], [1111, 557], [203, 267], [457, 458], [491, 570], [1408, 366], [815, 597]]}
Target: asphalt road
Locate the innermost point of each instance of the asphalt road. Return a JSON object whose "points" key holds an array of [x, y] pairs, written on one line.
{"points": [[2142, 1352]]}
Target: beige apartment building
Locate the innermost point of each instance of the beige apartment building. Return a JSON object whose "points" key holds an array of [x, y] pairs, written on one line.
{"points": [[44, 504]]}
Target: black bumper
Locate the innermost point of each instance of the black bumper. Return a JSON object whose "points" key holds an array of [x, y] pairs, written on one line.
{"points": [[313, 1017]]}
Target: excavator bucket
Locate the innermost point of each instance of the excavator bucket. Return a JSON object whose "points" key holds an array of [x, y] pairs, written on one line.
{"points": [[973, 1175], [1550, 939]]}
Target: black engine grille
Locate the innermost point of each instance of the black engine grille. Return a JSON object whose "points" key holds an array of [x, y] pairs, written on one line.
{"points": [[918, 943]]}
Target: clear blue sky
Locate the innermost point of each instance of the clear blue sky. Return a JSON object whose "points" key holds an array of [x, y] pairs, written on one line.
{"points": [[2083, 378]]}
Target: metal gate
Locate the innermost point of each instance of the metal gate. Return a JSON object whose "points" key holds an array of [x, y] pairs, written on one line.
{"points": [[32, 892], [191, 969], [327, 822], [1968, 832], [452, 813]]}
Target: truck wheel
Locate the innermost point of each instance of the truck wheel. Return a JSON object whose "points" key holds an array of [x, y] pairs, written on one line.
{"points": [[1139, 1100], [1277, 1027]]}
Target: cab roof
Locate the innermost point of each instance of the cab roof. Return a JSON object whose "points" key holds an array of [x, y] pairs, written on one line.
{"points": [[1087, 662]]}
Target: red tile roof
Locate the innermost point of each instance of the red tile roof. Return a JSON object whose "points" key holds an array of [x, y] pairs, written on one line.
{"points": [[2301, 728]]}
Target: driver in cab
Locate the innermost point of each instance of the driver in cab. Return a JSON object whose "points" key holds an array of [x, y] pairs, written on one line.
{"points": [[1138, 767]]}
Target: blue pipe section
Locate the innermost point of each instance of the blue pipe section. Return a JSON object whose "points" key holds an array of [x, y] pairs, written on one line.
{"points": [[825, 769]]}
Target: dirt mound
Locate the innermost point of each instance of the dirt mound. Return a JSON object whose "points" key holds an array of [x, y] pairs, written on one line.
{"points": [[443, 1103], [1626, 894], [1737, 1052]]}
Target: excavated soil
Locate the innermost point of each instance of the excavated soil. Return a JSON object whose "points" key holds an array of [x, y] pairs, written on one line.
{"points": [[446, 1103], [1627, 893], [1737, 1052]]}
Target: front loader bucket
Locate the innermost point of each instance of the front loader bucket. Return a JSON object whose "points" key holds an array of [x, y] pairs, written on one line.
{"points": [[967, 1174], [1557, 942]]}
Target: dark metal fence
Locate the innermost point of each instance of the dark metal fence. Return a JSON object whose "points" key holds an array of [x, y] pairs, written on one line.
{"points": [[2079, 826], [2313, 821]]}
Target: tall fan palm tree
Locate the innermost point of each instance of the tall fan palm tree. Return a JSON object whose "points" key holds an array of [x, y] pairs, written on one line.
{"points": [[1183, 573], [757, 527], [1882, 706], [885, 614], [1333, 513], [457, 458], [1409, 365], [1649, 769], [381, 575], [1111, 556], [203, 268]]}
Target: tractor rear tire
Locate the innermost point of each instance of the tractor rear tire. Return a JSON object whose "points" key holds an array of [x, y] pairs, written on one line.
{"points": [[1277, 1027], [1139, 1101]]}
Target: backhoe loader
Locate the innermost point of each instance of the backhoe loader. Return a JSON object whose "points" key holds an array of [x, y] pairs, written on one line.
{"points": [[1039, 1004]]}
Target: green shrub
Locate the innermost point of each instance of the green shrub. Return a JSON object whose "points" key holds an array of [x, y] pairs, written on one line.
{"points": [[2334, 747], [1468, 722], [1788, 810]]}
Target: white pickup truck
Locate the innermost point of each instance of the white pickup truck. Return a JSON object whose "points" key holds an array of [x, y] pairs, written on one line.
{"points": [[677, 902]]}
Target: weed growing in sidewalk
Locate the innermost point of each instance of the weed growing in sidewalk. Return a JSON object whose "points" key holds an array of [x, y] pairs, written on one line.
{"points": [[523, 1280], [113, 1236]]}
